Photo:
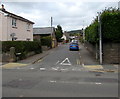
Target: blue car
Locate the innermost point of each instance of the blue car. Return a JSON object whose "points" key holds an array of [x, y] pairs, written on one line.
{"points": [[74, 46]]}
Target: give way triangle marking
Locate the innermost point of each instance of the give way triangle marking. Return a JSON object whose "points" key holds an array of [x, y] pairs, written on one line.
{"points": [[65, 62]]}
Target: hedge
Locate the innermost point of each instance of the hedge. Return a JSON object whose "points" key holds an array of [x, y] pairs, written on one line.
{"points": [[46, 41], [110, 27], [22, 47]]}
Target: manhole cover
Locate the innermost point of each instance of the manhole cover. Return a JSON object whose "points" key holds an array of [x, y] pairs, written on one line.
{"points": [[19, 83]]}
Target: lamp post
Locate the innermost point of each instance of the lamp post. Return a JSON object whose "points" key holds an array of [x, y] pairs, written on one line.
{"points": [[100, 38]]}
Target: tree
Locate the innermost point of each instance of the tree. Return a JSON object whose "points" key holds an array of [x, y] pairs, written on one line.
{"points": [[58, 33]]}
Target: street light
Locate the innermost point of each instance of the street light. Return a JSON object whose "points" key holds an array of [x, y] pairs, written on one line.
{"points": [[100, 38]]}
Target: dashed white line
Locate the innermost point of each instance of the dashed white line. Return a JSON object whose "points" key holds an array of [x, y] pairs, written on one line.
{"points": [[57, 62], [42, 68]]}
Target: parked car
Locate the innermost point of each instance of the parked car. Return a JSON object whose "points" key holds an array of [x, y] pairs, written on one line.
{"points": [[74, 41], [74, 46]]}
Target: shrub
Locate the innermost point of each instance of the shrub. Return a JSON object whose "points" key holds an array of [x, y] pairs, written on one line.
{"points": [[46, 41], [22, 47]]}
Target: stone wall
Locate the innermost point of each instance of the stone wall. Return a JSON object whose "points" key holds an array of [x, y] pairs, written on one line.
{"points": [[92, 49], [111, 53]]}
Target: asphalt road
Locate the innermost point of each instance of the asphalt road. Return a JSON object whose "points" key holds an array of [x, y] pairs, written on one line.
{"points": [[59, 74]]}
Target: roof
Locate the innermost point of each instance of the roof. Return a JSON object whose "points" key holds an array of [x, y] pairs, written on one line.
{"points": [[44, 30], [16, 16]]}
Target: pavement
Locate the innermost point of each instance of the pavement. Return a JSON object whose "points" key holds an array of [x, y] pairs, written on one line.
{"points": [[90, 63], [30, 60]]}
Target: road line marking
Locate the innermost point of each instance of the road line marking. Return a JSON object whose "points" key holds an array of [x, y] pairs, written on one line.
{"points": [[83, 64], [57, 62], [39, 60], [93, 66], [13, 65], [32, 68], [42, 68], [55, 68], [77, 61], [98, 83], [62, 63]]}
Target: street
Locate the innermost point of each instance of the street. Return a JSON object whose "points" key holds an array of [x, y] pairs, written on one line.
{"points": [[62, 73]]}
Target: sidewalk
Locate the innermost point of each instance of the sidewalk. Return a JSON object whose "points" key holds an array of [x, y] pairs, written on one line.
{"points": [[33, 59], [93, 64]]}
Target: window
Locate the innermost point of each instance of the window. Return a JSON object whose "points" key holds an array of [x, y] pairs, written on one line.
{"points": [[14, 22], [28, 26]]}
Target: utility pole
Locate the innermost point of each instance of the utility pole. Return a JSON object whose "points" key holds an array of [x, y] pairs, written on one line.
{"points": [[83, 32], [119, 5], [100, 38], [52, 32]]}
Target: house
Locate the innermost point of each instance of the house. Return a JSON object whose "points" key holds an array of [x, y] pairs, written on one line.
{"points": [[66, 36], [14, 27], [45, 31]]}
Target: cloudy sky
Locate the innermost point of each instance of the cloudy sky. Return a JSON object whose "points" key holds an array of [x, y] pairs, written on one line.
{"points": [[70, 15]]}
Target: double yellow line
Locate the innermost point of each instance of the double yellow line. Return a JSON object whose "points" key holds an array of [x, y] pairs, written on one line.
{"points": [[78, 62]]}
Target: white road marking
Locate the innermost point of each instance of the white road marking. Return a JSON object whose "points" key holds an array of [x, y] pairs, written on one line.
{"points": [[63, 62], [42, 68], [98, 83], [52, 81], [55, 68], [32, 68], [57, 62], [83, 64]]}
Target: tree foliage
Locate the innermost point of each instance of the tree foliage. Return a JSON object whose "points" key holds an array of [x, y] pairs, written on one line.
{"points": [[110, 27], [58, 33]]}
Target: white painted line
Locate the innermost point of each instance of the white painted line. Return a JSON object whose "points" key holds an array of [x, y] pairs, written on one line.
{"points": [[57, 62], [69, 63], [54, 68], [83, 64], [32, 68], [42, 68], [52, 81], [98, 83]]}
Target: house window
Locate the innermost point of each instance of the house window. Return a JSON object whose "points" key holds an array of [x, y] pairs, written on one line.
{"points": [[14, 22], [28, 26]]}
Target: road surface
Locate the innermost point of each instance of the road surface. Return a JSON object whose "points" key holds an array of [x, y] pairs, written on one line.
{"points": [[62, 73]]}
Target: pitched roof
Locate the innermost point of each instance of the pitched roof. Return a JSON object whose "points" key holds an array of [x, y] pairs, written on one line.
{"points": [[16, 16], [44, 30]]}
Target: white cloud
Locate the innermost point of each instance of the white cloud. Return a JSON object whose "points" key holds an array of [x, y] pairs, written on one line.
{"points": [[70, 15]]}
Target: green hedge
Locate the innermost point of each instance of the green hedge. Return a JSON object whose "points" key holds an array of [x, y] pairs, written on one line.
{"points": [[110, 27], [46, 41], [22, 47]]}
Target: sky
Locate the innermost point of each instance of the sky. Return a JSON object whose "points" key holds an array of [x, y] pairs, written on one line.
{"points": [[73, 15]]}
